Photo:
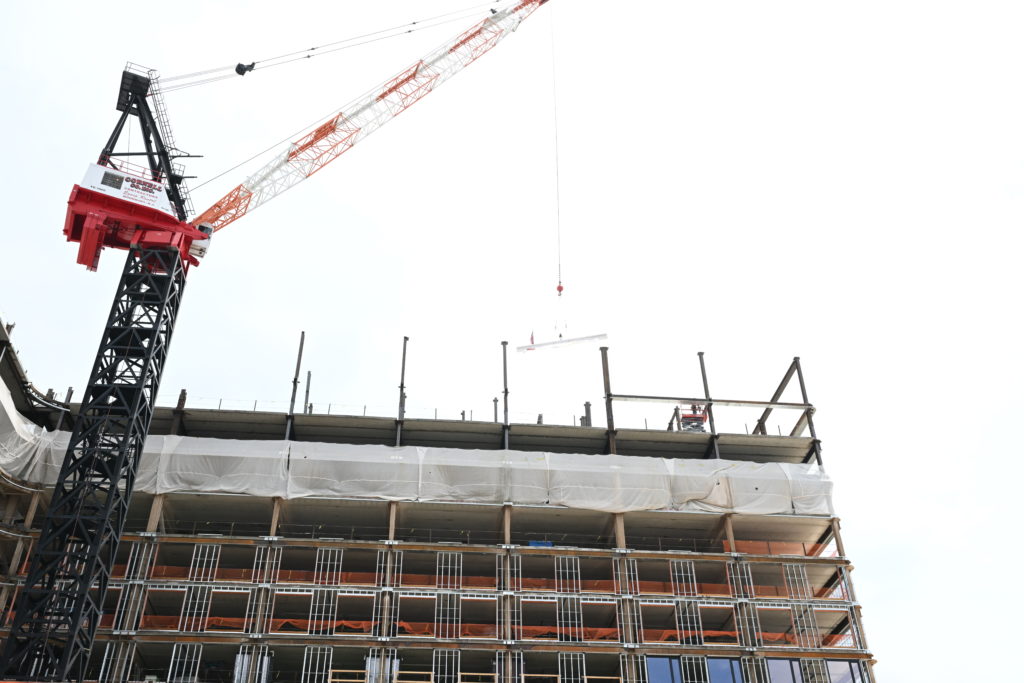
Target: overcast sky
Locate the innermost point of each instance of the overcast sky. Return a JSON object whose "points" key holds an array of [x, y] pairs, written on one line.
{"points": [[755, 180]]}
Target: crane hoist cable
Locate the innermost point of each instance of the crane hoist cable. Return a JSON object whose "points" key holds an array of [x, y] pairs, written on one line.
{"points": [[206, 76]]}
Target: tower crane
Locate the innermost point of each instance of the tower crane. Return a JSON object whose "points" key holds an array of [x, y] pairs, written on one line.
{"points": [[145, 211]]}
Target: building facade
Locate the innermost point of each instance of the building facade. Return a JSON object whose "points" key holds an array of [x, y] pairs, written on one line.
{"points": [[373, 550]]}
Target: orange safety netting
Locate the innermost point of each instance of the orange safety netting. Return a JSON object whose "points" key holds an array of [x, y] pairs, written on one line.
{"points": [[775, 548]]}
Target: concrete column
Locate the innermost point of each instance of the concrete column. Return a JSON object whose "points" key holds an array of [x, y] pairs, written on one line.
{"points": [[729, 533], [619, 521], [33, 507], [156, 514], [839, 539], [275, 516], [506, 524], [392, 519]]}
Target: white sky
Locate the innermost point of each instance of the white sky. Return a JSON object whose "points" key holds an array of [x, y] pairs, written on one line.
{"points": [[838, 181]]}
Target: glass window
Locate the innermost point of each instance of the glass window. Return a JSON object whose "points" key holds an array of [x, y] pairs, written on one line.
{"points": [[722, 670], [784, 671], [844, 672], [664, 670]]}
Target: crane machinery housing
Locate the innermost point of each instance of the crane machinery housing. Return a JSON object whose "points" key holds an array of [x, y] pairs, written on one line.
{"points": [[145, 211]]}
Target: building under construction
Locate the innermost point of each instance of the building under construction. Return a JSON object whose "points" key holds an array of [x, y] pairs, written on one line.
{"points": [[321, 548]]}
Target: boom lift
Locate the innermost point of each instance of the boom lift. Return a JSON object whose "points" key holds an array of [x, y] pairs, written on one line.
{"points": [[145, 213]]}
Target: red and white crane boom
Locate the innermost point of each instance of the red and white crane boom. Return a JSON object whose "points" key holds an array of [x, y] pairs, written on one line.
{"points": [[363, 116]]}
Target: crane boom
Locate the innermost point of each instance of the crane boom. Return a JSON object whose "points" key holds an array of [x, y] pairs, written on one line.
{"points": [[309, 154]]}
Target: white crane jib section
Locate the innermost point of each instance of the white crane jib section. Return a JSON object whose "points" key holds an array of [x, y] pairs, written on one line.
{"points": [[366, 114]]}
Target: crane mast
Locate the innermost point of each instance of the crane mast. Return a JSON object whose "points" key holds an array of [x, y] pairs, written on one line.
{"points": [[59, 607]]}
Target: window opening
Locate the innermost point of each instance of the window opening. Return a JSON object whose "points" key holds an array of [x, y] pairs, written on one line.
{"points": [[841, 671], [784, 670], [316, 664], [664, 670], [723, 670]]}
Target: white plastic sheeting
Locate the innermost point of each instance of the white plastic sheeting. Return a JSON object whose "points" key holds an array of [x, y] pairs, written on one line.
{"points": [[609, 483]]}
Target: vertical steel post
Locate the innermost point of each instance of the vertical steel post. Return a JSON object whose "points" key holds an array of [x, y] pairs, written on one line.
{"points": [[588, 417], [707, 398], [290, 418], [608, 399], [309, 380], [495, 408], [816, 448], [401, 396], [504, 376]]}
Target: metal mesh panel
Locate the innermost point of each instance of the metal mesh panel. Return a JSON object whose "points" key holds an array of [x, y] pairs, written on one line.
{"points": [[633, 668], [694, 669], [626, 576], [805, 626], [684, 577], [323, 607], [630, 625], [572, 667], [205, 558], [449, 571], [813, 671], [140, 560], [195, 608], [382, 665], [267, 565], [327, 566], [509, 667], [755, 670], [567, 574], [385, 614], [447, 615], [797, 585], [741, 584], [515, 617], [184, 663], [258, 610], [688, 622], [445, 666], [749, 625], [118, 659], [316, 664], [569, 617], [252, 664]]}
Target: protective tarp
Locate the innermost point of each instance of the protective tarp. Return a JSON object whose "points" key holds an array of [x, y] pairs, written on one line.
{"points": [[609, 483]]}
